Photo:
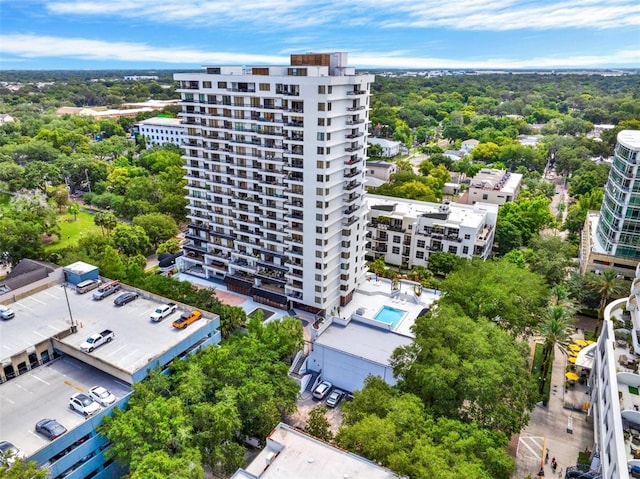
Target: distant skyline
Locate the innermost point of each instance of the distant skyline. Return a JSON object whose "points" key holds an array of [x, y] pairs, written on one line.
{"points": [[428, 34]]}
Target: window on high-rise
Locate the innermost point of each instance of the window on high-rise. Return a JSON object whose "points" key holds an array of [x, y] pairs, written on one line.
{"points": [[222, 84], [321, 90]]}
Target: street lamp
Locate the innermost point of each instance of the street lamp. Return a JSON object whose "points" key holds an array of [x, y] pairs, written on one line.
{"points": [[74, 328]]}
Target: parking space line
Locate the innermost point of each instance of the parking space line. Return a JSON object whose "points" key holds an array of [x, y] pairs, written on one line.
{"points": [[41, 380], [36, 300]]}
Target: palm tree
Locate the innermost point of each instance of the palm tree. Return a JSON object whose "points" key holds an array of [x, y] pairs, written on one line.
{"points": [[607, 286], [556, 329], [559, 296]]}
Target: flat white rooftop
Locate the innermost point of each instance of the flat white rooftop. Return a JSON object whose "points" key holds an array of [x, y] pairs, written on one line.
{"points": [[631, 138], [45, 314], [292, 454], [472, 216], [44, 392]]}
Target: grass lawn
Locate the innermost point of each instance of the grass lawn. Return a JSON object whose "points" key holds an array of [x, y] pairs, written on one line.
{"points": [[70, 230], [536, 371]]}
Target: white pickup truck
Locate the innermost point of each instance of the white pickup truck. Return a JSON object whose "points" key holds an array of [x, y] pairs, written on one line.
{"points": [[163, 311], [96, 340]]}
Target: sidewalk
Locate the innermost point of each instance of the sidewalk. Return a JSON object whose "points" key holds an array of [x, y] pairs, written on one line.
{"points": [[548, 429]]}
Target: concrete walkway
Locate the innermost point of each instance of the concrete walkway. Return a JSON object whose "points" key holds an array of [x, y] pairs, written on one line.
{"points": [[548, 428]]}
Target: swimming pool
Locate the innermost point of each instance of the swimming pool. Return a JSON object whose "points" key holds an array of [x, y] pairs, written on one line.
{"points": [[389, 315]]}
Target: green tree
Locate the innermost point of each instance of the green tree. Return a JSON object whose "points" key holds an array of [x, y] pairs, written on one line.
{"points": [[468, 369], [105, 220], [318, 424], [172, 246], [499, 291], [552, 258], [441, 262], [130, 239], [21, 469], [606, 286], [556, 329], [157, 226], [73, 209]]}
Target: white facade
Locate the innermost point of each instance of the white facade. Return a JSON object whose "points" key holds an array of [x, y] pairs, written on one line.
{"points": [[290, 453], [468, 145], [275, 169], [158, 131], [405, 232], [494, 186], [614, 404], [389, 148]]}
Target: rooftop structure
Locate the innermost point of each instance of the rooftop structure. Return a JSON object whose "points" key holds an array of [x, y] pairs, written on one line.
{"points": [[274, 160], [292, 453], [618, 231], [494, 186], [407, 231]]}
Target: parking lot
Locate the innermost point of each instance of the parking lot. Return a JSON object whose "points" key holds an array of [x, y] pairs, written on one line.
{"points": [[44, 392], [306, 403]]}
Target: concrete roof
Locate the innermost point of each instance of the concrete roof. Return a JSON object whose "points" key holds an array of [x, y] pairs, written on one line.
{"points": [[44, 314], [44, 392], [630, 138], [356, 339], [458, 214], [80, 267], [176, 122], [291, 453]]}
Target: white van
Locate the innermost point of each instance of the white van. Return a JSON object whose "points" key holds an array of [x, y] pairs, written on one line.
{"points": [[87, 286], [106, 289]]}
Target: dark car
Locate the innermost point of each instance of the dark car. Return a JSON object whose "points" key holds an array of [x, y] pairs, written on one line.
{"points": [[50, 428], [125, 298]]}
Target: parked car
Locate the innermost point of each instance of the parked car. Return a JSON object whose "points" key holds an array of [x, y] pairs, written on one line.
{"points": [[83, 404], [186, 319], [9, 453], [322, 390], [6, 313], [334, 398], [102, 396], [50, 428], [125, 298]]}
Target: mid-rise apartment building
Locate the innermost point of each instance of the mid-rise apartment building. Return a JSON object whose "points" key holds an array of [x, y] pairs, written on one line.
{"points": [[159, 130], [275, 167], [404, 232]]}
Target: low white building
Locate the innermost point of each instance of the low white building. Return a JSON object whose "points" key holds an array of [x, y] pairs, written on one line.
{"points": [[468, 145], [290, 453], [158, 131], [389, 148], [405, 232], [494, 186], [379, 172]]}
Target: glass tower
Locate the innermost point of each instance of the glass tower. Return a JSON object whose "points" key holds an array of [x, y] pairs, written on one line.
{"points": [[618, 231]]}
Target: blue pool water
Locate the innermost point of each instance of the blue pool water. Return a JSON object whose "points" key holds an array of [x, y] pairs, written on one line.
{"points": [[389, 315]]}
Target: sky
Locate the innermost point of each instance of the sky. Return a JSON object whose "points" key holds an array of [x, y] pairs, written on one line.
{"points": [[423, 34]]}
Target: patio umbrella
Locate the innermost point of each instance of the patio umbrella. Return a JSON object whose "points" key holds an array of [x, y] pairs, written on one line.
{"points": [[572, 359], [572, 376], [574, 347], [580, 342], [590, 341], [573, 353]]}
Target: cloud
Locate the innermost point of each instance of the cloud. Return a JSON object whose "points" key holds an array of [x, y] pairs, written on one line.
{"points": [[34, 46], [497, 15]]}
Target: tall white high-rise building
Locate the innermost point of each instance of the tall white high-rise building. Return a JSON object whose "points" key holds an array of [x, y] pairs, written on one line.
{"points": [[275, 169], [618, 232]]}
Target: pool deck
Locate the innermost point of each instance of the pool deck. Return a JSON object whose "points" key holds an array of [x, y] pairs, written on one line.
{"points": [[370, 297]]}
